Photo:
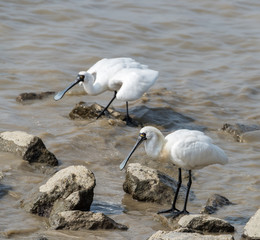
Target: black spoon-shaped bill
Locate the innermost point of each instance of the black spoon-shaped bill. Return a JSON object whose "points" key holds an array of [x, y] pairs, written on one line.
{"points": [[141, 138], [60, 94]]}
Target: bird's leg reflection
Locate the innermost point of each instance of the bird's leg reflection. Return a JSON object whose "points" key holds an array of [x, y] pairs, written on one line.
{"points": [[107, 105]]}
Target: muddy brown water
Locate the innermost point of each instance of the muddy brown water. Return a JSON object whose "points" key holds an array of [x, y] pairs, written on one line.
{"points": [[208, 57]]}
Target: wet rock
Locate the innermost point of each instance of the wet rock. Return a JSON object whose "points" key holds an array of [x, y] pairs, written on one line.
{"points": [[84, 111], [31, 148], [147, 184], [166, 235], [205, 224], [252, 228], [214, 203], [238, 130], [33, 96], [74, 220], [71, 188]]}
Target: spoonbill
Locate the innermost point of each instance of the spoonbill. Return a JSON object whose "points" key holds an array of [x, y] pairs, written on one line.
{"points": [[188, 149], [127, 78]]}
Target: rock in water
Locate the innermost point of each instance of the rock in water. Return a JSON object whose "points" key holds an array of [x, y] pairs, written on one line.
{"points": [[147, 184], [74, 220], [71, 188], [172, 235], [205, 224], [215, 202], [30, 148], [252, 228], [33, 96]]}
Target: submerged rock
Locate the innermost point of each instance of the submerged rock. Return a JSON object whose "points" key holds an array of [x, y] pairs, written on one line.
{"points": [[166, 235], [238, 130], [74, 220], [205, 224], [33, 96], [31, 148], [252, 228], [215, 202], [71, 188], [147, 184]]}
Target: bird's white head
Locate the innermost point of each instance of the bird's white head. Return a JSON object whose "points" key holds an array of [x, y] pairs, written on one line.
{"points": [[153, 140], [84, 77]]}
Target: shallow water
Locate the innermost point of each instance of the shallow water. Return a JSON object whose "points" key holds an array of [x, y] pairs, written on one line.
{"points": [[208, 57]]}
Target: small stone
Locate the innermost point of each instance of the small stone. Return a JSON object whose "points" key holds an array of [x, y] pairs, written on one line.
{"points": [[204, 223], [215, 202], [252, 228], [75, 220], [30, 148], [173, 235]]}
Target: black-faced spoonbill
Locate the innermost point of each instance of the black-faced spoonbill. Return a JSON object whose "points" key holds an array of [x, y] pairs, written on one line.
{"points": [[188, 149], [127, 78]]}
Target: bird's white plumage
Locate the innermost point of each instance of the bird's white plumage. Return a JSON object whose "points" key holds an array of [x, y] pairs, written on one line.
{"points": [[188, 149], [126, 76]]}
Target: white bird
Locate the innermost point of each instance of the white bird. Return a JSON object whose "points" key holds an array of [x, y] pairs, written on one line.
{"points": [[127, 78], [188, 149]]}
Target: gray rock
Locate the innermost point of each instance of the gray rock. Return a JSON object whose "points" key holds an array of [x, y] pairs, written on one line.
{"points": [[167, 235], [252, 228], [71, 188], [237, 130], [74, 220], [30, 148], [205, 224], [147, 184], [215, 202], [33, 96]]}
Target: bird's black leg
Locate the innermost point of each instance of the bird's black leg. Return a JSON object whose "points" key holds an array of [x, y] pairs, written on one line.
{"points": [[184, 211], [174, 209], [128, 119], [107, 105]]}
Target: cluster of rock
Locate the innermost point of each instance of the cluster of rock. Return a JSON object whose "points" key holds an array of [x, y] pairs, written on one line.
{"points": [[147, 184], [23, 97], [66, 199]]}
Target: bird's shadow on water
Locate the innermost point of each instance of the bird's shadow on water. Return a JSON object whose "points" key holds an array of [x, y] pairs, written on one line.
{"points": [[164, 117], [106, 207]]}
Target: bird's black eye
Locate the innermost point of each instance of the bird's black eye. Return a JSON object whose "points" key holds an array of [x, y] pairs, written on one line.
{"points": [[81, 78], [143, 135]]}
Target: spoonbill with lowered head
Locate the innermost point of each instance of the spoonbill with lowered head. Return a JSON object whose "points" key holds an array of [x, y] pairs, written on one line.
{"points": [[188, 149], [127, 78]]}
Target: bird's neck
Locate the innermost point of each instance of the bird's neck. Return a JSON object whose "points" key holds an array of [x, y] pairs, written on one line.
{"points": [[92, 87], [154, 146]]}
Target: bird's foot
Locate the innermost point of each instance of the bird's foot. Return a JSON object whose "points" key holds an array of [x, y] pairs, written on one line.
{"points": [[183, 212], [171, 210], [130, 122]]}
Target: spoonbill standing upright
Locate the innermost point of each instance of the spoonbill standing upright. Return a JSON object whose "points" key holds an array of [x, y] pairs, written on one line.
{"points": [[188, 149], [127, 78]]}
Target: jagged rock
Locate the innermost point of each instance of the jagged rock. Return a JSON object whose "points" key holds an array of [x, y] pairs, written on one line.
{"points": [[205, 224], [84, 111], [147, 184], [31, 148], [215, 202], [252, 228], [33, 96], [71, 188], [238, 130], [166, 235], [74, 220]]}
